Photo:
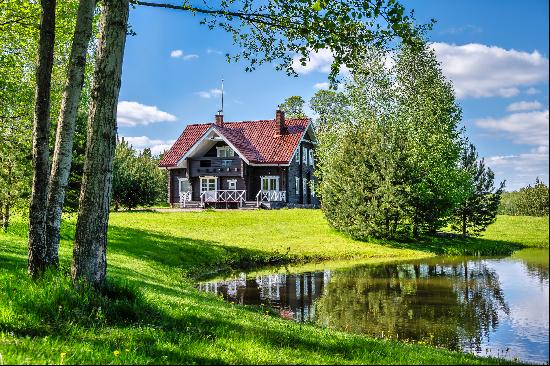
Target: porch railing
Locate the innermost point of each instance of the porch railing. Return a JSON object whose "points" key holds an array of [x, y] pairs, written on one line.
{"points": [[184, 198], [270, 196], [224, 195]]}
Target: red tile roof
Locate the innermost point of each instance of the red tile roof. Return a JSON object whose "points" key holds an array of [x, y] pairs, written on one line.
{"points": [[188, 137], [258, 141]]}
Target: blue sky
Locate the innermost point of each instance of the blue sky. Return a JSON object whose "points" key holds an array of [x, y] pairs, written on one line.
{"points": [[496, 54]]}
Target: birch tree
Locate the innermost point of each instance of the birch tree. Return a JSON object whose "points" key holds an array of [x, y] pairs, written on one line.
{"points": [[90, 244], [61, 164], [41, 131]]}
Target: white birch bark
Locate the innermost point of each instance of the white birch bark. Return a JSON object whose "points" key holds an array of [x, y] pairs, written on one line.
{"points": [[61, 163], [90, 245], [40, 139]]}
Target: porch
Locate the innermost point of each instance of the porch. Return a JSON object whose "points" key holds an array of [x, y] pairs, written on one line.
{"points": [[232, 198]]}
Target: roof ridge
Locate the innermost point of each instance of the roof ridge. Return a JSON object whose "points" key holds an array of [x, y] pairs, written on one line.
{"points": [[247, 121]]}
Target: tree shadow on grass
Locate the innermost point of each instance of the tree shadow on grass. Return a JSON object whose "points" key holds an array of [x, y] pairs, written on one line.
{"points": [[450, 244], [194, 257]]}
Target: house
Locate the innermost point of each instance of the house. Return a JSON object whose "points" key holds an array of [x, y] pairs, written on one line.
{"points": [[266, 163]]}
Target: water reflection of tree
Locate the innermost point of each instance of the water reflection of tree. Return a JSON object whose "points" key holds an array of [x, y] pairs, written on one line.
{"points": [[535, 261], [451, 305]]}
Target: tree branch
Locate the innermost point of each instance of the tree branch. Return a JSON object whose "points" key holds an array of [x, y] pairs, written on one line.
{"points": [[266, 19]]}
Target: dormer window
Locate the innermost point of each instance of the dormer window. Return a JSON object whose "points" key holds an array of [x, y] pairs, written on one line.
{"points": [[225, 152]]}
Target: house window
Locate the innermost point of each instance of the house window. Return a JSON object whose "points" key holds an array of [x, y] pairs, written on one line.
{"points": [[305, 187], [183, 185], [297, 185], [312, 186], [225, 152], [311, 157], [227, 163], [298, 154], [304, 156], [232, 184], [270, 183], [208, 184]]}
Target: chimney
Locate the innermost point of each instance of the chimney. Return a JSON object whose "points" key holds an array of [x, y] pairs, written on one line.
{"points": [[280, 121], [219, 119]]}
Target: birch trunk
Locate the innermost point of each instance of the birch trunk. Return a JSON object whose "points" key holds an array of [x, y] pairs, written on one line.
{"points": [[40, 137], [90, 245], [61, 162]]}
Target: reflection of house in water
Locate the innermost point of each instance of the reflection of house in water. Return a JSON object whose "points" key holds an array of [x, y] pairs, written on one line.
{"points": [[293, 294]]}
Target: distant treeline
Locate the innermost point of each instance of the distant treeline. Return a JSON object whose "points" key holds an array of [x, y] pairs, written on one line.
{"points": [[528, 201]]}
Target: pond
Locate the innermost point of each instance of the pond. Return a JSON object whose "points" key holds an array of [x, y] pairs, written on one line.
{"points": [[487, 306]]}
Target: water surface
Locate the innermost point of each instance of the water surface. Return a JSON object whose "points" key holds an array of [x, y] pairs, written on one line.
{"points": [[487, 306]]}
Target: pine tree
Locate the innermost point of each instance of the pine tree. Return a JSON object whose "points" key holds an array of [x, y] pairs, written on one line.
{"points": [[479, 207]]}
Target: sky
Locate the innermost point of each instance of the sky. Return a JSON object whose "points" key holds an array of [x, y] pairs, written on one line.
{"points": [[494, 52]]}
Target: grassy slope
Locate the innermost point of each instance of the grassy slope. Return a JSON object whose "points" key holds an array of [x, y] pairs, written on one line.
{"points": [[527, 230], [169, 321]]}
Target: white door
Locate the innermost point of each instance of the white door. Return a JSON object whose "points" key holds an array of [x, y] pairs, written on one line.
{"points": [[184, 188], [209, 185]]}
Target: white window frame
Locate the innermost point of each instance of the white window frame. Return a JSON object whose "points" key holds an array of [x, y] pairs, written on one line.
{"points": [[208, 178], [304, 188], [225, 152], [269, 177], [312, 186], [298, 154], [310, 155], [297, 184], [232, 184], [304, 156]]}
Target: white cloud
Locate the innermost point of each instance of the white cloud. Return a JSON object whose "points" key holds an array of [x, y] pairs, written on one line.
{"points": [[133, 113], [519, 170], [142, 142], [323, 85], [507, 92], [210, 93], [477, 70], [179, 54], [529, 128], [524, 106], [176, 53], [318, 61], [211, 51], [532, 91], [468, 28]]}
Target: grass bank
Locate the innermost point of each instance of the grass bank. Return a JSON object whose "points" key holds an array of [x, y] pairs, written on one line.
{"points": [[151, 312]]}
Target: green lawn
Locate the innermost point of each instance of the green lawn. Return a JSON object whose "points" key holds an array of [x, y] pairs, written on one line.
{"points": [[151, 312], [527, 230]]}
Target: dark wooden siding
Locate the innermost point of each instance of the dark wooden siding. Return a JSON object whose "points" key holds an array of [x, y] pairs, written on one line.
{"points": [[216, 168], [301, 170], [173, 186]]}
